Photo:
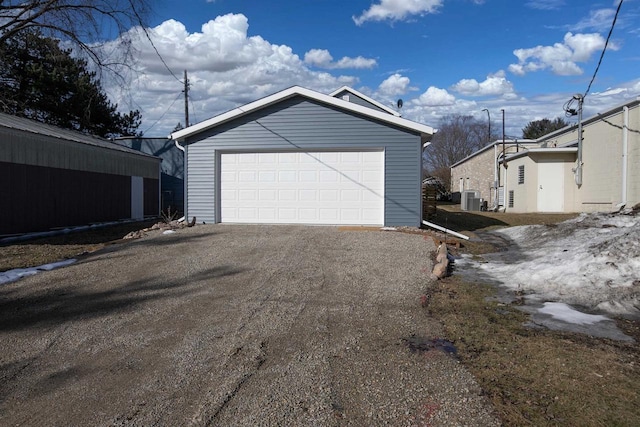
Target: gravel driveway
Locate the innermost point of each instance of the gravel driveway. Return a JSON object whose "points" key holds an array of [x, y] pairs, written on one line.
{"points": [[234, 325]]}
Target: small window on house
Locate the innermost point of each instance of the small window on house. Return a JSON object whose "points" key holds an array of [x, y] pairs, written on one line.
{"points": [[521, 174], [510, 198]]}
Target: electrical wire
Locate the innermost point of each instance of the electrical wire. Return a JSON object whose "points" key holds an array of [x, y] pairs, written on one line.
{"points": [[568, 106], [163, 114], [193, 111], [146, 33], [606, 43]]}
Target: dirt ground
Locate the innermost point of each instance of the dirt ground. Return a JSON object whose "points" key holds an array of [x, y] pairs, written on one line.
{"points": [[235, 325]]}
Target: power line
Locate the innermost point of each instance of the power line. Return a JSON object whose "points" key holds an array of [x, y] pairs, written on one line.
{"points": [[163, 114], [606, 43], [146, 33], [193, 110]]}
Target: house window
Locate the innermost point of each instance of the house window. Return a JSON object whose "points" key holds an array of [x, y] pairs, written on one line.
{"points": [[521, 174], [510, 198]]}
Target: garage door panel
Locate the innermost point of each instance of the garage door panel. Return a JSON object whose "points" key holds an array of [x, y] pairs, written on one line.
{"points": [[287, 195], [287, 176], [248, 158], [247, 195], [349, 196], [308, 176], [328, 176], [307, 195], [328, 195], [246, 176], [268, 176], [303, 187]]}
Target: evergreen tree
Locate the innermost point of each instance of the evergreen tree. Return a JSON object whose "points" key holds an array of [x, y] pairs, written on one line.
{"points": [[538, 128], [42, 81]]}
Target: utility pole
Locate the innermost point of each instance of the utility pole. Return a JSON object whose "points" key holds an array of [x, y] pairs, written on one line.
{"points": [[186, 100], [578, 172]]}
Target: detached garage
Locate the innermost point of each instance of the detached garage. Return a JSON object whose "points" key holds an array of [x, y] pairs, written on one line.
{"points": [[52, 177], [302, 157]]}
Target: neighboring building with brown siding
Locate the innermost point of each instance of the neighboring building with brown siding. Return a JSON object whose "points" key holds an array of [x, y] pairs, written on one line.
{"points": [[52, 177]]}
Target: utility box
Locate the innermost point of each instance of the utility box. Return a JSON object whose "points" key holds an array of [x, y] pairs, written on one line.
{"points": [[470, 200]]}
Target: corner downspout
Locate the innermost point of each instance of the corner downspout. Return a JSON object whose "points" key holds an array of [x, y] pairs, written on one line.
{"points": [[625, 156], [184, 169], [578, 170], [504, 184], [496, 178]]}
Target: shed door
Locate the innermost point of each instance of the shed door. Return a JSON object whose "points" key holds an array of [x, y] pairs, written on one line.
{"points": [[303, 187], [551, 186]]}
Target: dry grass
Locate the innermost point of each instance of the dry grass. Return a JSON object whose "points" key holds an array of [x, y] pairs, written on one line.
{"points": [[536, 377], [450, 216], [41, 251]]}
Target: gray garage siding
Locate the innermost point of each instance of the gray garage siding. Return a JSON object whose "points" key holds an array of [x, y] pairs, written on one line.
{"points": [[301, 124], [357, 100]]}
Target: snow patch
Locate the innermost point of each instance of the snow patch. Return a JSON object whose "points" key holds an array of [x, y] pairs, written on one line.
{"points": [[18, 273], [565, 313], [168, 232], [592, 260]]}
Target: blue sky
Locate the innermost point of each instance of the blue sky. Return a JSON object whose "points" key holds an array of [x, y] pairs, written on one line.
{"points": [[440, 56]]}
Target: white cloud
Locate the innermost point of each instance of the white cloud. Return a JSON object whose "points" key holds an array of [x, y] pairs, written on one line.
{"points": [[395, 84], [435, 97], [321, 58], [545, 4], [226, 68], [397, 10], [561, 58], [494, 85], [598, 20]]}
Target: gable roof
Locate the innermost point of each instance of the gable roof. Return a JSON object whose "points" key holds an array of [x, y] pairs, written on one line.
{"points": [[511, 142], [366, 98], [32, 126], [424, 130]]}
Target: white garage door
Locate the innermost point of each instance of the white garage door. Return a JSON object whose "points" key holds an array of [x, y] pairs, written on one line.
{"points": [[303, 188]]}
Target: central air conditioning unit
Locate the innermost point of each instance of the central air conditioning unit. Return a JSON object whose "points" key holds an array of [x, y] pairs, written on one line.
{"points": [[470, 200]]}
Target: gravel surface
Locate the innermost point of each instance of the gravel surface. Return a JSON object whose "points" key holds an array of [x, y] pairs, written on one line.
{"points": [[234, 325]]}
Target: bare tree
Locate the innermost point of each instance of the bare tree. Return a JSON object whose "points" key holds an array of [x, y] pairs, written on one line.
{"points": [[83, 23], [457, 137]]}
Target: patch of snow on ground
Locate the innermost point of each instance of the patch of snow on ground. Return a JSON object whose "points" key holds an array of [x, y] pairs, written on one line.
{"points": [[168, 232], [563, 312], [592, 261], [18, 273]]}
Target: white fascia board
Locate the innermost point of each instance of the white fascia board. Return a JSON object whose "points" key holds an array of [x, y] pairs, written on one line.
{"points": [[554, 150], [182, 134], [542, 151], [366, 98]]}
